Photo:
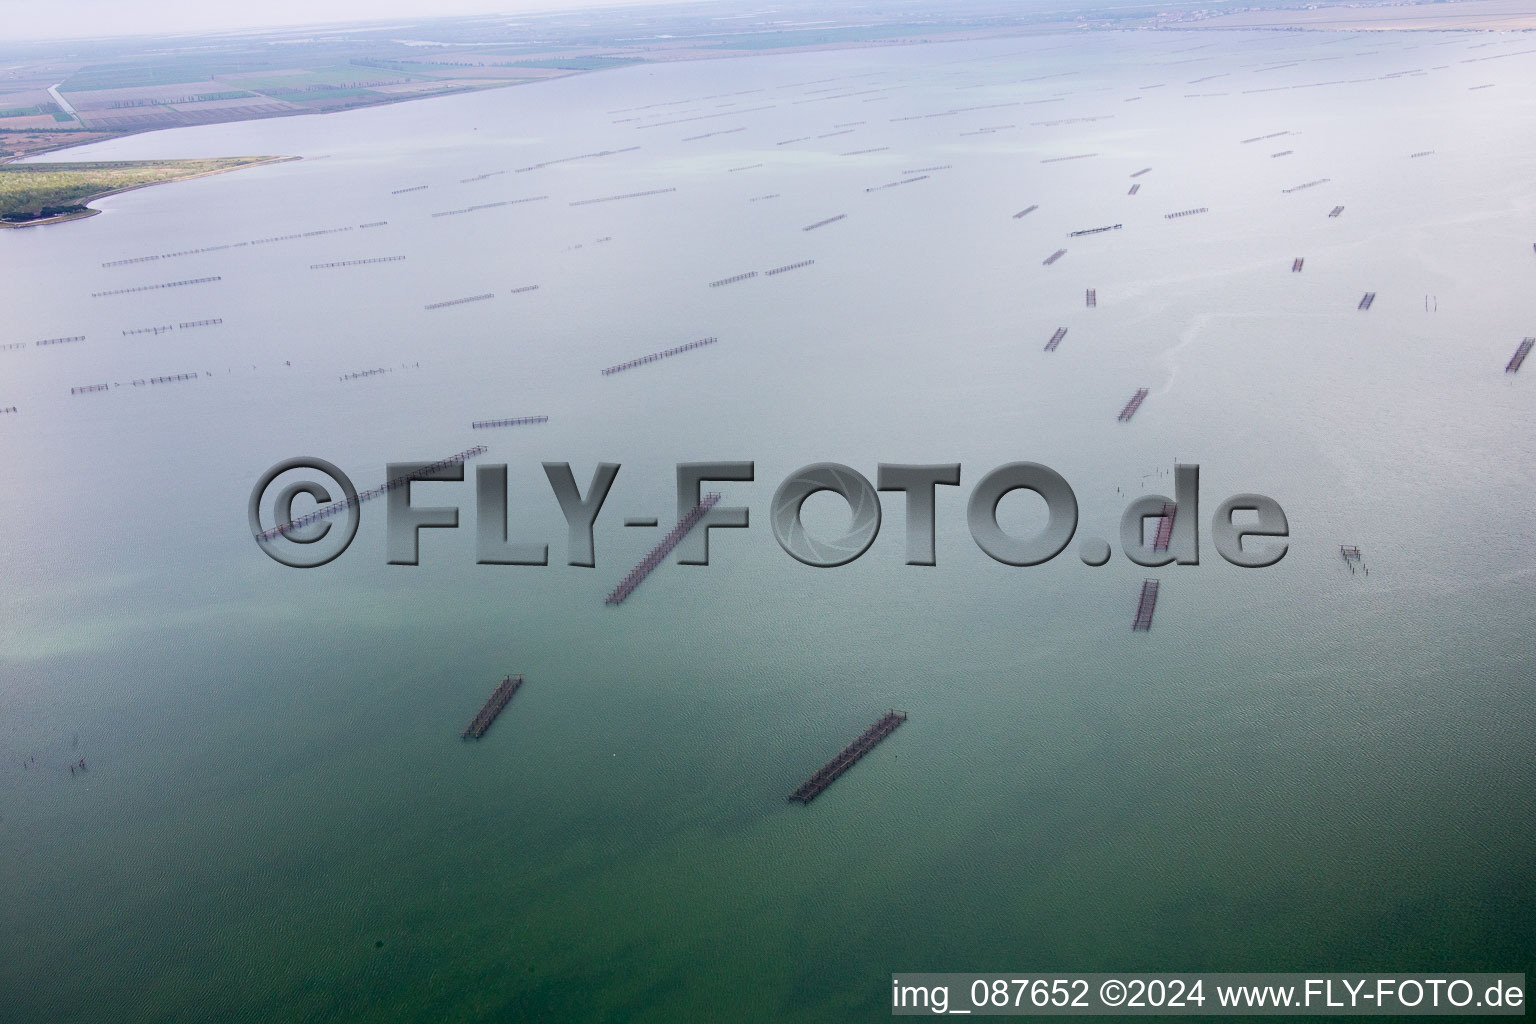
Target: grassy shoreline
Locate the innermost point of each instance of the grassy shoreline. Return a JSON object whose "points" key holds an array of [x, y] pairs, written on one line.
{"points": [[32, 195]]}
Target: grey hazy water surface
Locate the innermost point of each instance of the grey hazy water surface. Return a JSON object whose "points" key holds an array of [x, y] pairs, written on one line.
{"points": [[1296, 769]]}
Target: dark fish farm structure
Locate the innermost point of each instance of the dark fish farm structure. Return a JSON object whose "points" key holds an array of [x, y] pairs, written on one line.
{"points": [[494, 705], [848, 756]]}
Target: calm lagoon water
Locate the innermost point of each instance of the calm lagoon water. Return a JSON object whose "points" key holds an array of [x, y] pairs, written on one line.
{"points": [[1296, 769]]}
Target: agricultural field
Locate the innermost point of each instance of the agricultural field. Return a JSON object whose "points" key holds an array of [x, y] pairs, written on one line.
{"points": [[30, 193], [304, 80]]}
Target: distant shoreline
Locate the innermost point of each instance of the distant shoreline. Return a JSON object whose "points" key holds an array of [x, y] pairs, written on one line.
{"points": [[82, 208], [60, 218], [566, 58]]}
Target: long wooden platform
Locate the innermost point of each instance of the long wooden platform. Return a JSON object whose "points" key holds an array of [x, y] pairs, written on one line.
{"points": [[816, 784], [493, 707]]}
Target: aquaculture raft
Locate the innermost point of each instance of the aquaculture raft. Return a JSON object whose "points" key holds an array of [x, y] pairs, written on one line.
{"points": [[1134, 404], [493, 707], [1144, 607], [633, 578], [1513, 366], [813, 787], [1165, 527], [326, 511]]}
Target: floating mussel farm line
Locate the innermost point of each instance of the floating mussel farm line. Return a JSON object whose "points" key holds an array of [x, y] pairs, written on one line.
{"points": [[733, 279], [488, 206], [1185, 213], [459, 302], [1306, 184], [326, 511], [156, 287], [238, 245], [1134, 404], [1516, 360], [1146, 603], [657, 356], [1069, 120], [748, 275], [50, 341], [710, 135], [363, 374], [824, 223], [702, 117], [1093, 231], [893, 184], [357, 263], [654, 557], [569, 159], [493, 706], [515, 421], [847, 757], [626, 195], [136, 383]]}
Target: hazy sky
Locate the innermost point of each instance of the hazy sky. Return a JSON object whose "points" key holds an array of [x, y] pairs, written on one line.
{"points": [[44, 19]]}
